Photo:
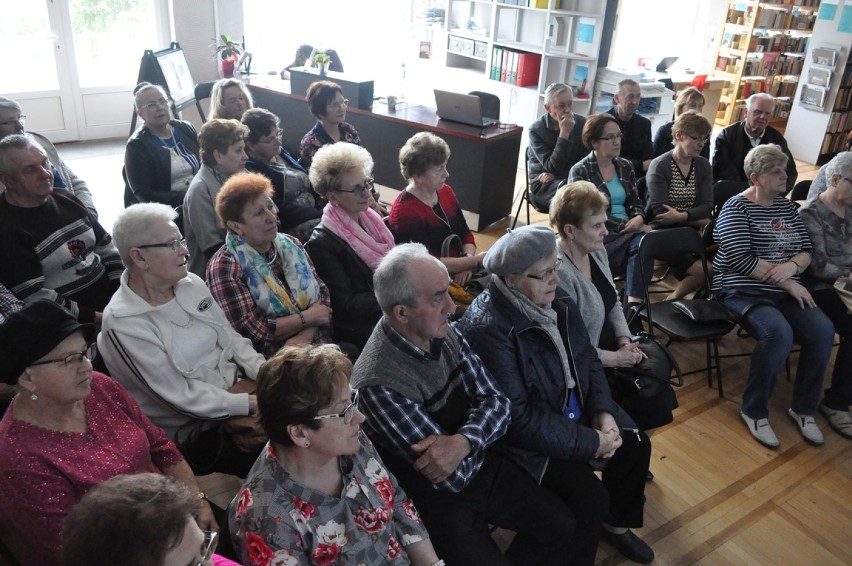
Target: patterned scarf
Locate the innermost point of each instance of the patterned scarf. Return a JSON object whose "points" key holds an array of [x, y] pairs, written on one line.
{"points": [[275, 297], [369, 238]]}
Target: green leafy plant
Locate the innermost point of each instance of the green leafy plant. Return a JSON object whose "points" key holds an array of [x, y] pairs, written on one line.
{"points": [[227, 48], [321, 57]]}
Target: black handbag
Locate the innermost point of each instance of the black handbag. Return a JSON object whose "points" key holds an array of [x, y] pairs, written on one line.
{"points": [[647, 378]]}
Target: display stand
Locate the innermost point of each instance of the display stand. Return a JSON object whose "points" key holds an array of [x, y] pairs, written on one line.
{"points": [[168, 69]]}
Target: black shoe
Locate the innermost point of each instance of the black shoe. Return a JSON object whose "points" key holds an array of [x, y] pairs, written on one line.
{"points": [[649, 477], [630, 546]]}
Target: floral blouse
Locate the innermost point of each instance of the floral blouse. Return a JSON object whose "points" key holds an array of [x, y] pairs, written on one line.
{"points": [[275, 521], [316, 138]]}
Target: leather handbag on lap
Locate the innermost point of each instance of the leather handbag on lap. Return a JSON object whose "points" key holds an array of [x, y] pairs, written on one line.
{"points": [[245, 431], [647, 378]]}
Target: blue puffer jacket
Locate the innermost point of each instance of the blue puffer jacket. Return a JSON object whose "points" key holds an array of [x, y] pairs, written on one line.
{"points": [[525, 363]]}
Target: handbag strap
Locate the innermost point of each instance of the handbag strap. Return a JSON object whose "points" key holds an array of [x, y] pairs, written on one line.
{"points": [[448, 243]]}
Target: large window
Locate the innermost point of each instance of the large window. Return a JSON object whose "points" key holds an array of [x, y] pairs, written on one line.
{"points": [[28, 44]]}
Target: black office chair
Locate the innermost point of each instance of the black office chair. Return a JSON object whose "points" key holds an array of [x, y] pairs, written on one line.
{"points": [[723, 190], [800, 191], [202, 92], [490, 104]]}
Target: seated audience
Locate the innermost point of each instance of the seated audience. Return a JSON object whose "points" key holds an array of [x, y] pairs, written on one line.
{"points": [[556, 144], [262, 279], [298, 206], [828, 219], [12, 122], [350, 241], [763, 250], [578, 214], [67, 430], [680, 192], [161, 157], [625, 222], [636, 144], [229, 99], [142, 519], [820, 183], [326, 103], [434, 413], [563, 415], [168, 342], [689, 99], [223, 153], [53, 247], [737, 140], [319, 493], [303, 54], [427, 210]]}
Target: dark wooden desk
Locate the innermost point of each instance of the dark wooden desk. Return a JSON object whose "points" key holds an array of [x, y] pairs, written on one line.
{"points": [[483, 165]]}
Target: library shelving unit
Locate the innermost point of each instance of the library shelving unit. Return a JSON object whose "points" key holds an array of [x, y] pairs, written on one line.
{"points": [[840, 122], [762, 47], [560, 39]]}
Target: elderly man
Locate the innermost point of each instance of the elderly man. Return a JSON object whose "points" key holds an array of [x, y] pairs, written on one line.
{"points": [[434, 413], [636, 143], [556, 144], [734, 142], [12, 123], [53, 247]]}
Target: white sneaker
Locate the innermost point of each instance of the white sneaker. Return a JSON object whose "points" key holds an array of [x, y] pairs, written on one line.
{"points": [[809, 428], [761, 431], [841, 421]]}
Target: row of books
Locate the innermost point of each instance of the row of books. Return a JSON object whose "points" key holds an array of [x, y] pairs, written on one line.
{"points": [[833, 143], [781, 86], [843, 101], [772, 19], [526, 3], [727, 64], [780, 42], [838, 122], [515, 67], [802, 20], [770, 64]]}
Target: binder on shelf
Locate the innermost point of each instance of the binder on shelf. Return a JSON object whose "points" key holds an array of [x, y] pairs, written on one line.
{"points": [[512, 69], [529, 65], [504, 64]]}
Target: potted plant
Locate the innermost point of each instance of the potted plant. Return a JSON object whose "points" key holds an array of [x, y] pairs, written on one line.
{"points": [[228, 53], [322, 60]]}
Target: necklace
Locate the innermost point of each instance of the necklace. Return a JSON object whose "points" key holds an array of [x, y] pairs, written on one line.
{"points": [[271, 260]]}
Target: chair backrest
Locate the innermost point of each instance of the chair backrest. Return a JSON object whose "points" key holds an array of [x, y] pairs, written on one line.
{"points": [[723, 190], [800, 191], [642, 191], [202, 92], [490, 104]]}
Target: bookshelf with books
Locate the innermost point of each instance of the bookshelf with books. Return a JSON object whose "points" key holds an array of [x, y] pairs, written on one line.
{"points": [[839, 122], [762, 48]]}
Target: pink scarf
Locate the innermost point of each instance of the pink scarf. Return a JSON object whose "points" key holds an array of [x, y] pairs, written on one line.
{"points": [[369, 237]]}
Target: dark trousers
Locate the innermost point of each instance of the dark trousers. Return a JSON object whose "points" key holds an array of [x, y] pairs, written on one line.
{"points": [[501, 494], [214, 451], [839, 395], [624, 479]]}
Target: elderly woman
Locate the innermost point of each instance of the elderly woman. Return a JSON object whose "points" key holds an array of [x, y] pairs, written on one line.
{"points": [[689, 99], [320, 493], [142, 519], [262, 279], [162, 156], [680, 191], [326, 103], [614, 177], [563, 415], [763, 250], [171, 346], [828, 219], [223, 153], [229, 99], [68, 429], [298, 206], [350, 241], [578, 214], [427, 210]]}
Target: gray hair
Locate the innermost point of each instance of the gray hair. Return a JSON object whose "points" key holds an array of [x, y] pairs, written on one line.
{"points": [[841, 165], [9, 103], [392, 281], [763, 158], [144, 87], [134, 222], [554, 90], [217, 94], [17, 141], [752, 100]]}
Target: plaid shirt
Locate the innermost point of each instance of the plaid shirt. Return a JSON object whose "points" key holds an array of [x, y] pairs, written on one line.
{"points": [[227, 282], [400, 422], [9, 303]]}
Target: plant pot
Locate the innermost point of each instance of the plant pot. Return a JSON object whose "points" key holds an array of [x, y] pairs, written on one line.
{"points": [[227, 66], [323, 68]]}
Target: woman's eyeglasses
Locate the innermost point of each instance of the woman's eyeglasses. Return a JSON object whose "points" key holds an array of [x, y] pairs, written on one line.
{"points": [[547, 273], [611, 137], [172, 245], [346, 414], [359, 189], [698, 139], [71, 360], [339, 104], [208, 547]]}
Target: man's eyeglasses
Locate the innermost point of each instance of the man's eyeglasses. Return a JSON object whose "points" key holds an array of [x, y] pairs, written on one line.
{"points": [[208, 547], [564, 105], [156, 104], [19, 120], [359, 189], [71, 360], [346, 414], [699, 139], [338, 105], [611, 137], [172, 245], [547, 273]]}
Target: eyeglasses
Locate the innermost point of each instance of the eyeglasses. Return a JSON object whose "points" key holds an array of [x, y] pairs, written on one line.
{"points": [[156, 104], [19, 120], [337, 105], [211, 538], [564, 105], [274, 137], [611, 137], [71, 360], [698, 139], [172, 245], [359, 189], [547, 273], [346, 414]]}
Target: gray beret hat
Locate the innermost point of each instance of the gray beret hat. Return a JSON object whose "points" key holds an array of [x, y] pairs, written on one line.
{"points": [[518, 249]]}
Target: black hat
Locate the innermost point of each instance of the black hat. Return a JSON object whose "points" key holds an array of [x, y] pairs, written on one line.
{"points": [[32, 332]]}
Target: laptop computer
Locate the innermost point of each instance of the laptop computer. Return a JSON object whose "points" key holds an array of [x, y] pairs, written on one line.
{"points": [[665, 64], [462, 108]]}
